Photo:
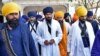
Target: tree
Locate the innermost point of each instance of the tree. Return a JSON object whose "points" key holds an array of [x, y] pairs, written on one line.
{"points": [[97, 7]]}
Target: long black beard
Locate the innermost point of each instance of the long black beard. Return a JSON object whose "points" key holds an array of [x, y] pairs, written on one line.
{"points": [[82, 20], [13, 23], [67, 20], [49, 21]]}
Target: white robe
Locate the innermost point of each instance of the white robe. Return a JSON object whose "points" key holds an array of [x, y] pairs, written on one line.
{"points": [[76, 43], [35, 37], [68, 27], [42, 31]]}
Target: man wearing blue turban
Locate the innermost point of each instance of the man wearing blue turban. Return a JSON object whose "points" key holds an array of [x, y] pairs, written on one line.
{"points": [[32, 21], [39, 18], [92, 21], [33, 24], [50, 32]]}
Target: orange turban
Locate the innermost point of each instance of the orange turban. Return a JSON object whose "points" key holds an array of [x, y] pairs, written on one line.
{"points": [[75, 17], [59, 14]]}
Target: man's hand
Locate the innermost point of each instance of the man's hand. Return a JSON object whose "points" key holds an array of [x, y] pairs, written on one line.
{"points": [[52, 41], [46, 42]]}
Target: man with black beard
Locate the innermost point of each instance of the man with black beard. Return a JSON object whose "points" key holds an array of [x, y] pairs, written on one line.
{"points": [[67, 18], [81, 35], [59, 15], [50, 32], [15, 37]]}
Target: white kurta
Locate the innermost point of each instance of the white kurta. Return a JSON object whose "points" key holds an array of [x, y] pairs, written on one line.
{"points": [[77, 47], [35, 37], [56, 34]]}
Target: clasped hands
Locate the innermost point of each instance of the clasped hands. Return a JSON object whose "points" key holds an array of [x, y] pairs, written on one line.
{"points": [[46, 42]]}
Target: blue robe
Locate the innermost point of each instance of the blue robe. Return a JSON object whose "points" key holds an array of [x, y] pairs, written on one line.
{"points": [[22, 20], [26, 41], [95, 26], [96, 46]]}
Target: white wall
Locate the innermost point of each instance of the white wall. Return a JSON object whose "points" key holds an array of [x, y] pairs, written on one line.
{"points": [[72, 11]]}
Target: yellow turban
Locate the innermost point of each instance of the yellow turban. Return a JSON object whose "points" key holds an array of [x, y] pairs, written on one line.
{"points": [[81, 11], [59, 14], [10, 7]]}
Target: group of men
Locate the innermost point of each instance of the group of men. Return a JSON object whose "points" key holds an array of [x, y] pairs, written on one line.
{"points": [[54, 36]]}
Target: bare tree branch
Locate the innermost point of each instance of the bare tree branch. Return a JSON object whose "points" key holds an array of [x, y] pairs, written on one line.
{"points": [[97, 6], [91, 4], [83, 2]]}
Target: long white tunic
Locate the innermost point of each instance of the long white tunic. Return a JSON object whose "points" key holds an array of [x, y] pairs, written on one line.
{"points": [[35, 36], [56, 34], [77, 47]]}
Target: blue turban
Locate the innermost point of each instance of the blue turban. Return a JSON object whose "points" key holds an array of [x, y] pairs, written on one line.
{"points": [[47, 10], [38, 16], [32, 14], [66, 15], [25, 17], [90, 13]]}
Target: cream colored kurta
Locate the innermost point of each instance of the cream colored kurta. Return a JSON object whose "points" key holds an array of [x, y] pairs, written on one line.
{"points": [[76, 43], [56, 34]]}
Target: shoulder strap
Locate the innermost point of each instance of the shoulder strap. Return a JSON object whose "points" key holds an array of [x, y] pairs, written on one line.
{"points": [[32, 28], [37, 24], [7, 42]]}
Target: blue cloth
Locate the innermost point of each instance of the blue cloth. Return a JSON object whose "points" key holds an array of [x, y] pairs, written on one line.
{"points": [[96, 46], [22, 20], [15, 38], [38, 16], [3, 51], [95, 26], [22, 36], [25, 17], [32, 14], [90, 13], [47, 10]]}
